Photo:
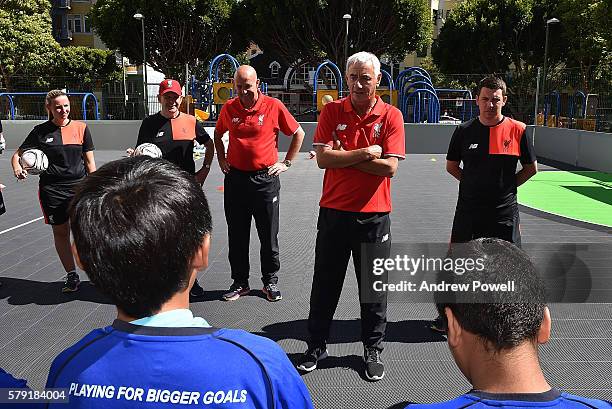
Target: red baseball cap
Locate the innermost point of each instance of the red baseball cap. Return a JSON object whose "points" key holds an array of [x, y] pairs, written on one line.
{"points": [[169, 85]]}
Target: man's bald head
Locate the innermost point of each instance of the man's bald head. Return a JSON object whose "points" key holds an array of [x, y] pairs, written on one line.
{"points": [[246, 85], [245, 72]]}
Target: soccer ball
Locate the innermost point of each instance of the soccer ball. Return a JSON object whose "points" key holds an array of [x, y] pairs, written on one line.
{"points": [[34, 161], [148, 149]]}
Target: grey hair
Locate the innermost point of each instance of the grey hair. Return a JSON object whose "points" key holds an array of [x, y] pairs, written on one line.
{"points": [[364, 57], [51, 95]]}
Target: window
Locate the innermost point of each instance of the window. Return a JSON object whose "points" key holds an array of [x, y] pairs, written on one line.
{"points": [[305, 74], [86, 24], [274, 69], [434, 17], [74, 23], [78, 23]]}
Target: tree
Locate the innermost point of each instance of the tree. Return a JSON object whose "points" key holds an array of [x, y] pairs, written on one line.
{"points": [[587, 33], [31, 57], [177, 31], [26, 43], [84, 65], [507, 37], [312, 30], [492, 36]]}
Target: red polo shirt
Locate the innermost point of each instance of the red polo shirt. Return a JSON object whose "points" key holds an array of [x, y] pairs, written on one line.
{"points": [[253, 133], [351, 189]]}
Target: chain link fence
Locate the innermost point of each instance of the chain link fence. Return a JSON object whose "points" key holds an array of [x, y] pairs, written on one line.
{"points": [[570, 98]]}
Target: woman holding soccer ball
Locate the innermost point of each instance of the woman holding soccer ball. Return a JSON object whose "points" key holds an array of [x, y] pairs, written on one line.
{"points": [[68, 148]]}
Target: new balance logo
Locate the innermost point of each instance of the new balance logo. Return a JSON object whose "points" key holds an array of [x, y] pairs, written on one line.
{"points": [[160, 134], [341, 127], [473, 146], [235, 120], [49, 140]]}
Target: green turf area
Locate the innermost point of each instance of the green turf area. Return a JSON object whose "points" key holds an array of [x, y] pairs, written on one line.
{"points": [[584, 195]]}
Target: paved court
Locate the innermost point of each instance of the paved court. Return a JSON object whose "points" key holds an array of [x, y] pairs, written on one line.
{"points": [[37, 322]]}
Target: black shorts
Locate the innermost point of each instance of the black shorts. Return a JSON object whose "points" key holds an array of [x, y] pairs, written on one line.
{"points": [[473, 224], [55, 199]]}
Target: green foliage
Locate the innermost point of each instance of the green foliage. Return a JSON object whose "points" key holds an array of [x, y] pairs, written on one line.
{"points": [[486, 36], [507, 37], [84, 64], [586, 31], [28, 49], [311, 31], [510, 34], [26, 44], [176, 31]]}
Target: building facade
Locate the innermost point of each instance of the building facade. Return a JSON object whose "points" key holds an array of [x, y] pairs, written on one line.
{"points": [[440, 10], [71, 25]]}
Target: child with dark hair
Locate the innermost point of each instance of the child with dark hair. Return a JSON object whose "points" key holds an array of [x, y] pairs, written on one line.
{"points": [[141, 230], [494, 336]]}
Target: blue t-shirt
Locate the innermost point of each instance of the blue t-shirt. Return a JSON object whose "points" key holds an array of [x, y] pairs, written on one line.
{"points": [[138, 366], [8, 381], [551, 399]]}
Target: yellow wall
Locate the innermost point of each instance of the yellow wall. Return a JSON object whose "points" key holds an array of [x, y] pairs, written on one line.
{"points": [[81, 39], [84, 39], [77, 7]]}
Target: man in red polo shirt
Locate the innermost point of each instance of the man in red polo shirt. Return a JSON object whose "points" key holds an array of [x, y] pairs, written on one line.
{"points": [[252, 184], [359, 141]]}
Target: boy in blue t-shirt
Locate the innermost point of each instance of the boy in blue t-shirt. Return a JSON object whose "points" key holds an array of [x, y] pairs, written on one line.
{"points": [[494, 336], [141, 229]]}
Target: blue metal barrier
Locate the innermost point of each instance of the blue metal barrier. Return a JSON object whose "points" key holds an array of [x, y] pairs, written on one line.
{"points": [[389, 79], [572, 106], [547, 104], [85, 95], [433, 105], [337, 74], [214, 67]]}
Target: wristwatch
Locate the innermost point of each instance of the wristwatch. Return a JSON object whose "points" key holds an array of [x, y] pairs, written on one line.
{"points": [[287, 163]]}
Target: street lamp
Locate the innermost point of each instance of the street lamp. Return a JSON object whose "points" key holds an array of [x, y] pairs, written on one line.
{"points": [[140, 17], [548, 23], [347, 18]]}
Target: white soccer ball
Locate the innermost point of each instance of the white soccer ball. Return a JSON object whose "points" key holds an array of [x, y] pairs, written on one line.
{"points": [[34, 161], [148, 149]]}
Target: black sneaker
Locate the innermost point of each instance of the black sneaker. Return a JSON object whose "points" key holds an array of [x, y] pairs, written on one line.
{"points": [[272, 292], [236, 291], [439, 325], [308, 361], [196, 289], [374, 368], [71, 282]]}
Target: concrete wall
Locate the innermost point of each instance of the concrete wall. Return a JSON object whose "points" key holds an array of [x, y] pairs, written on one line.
{"points": [[586, 149]]}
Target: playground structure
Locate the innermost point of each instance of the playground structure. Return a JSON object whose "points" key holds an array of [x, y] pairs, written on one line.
{"points": [[577, 111], [304, 91]]}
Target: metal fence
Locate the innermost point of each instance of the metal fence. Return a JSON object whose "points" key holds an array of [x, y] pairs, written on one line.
{"points": [[571, 98]]}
